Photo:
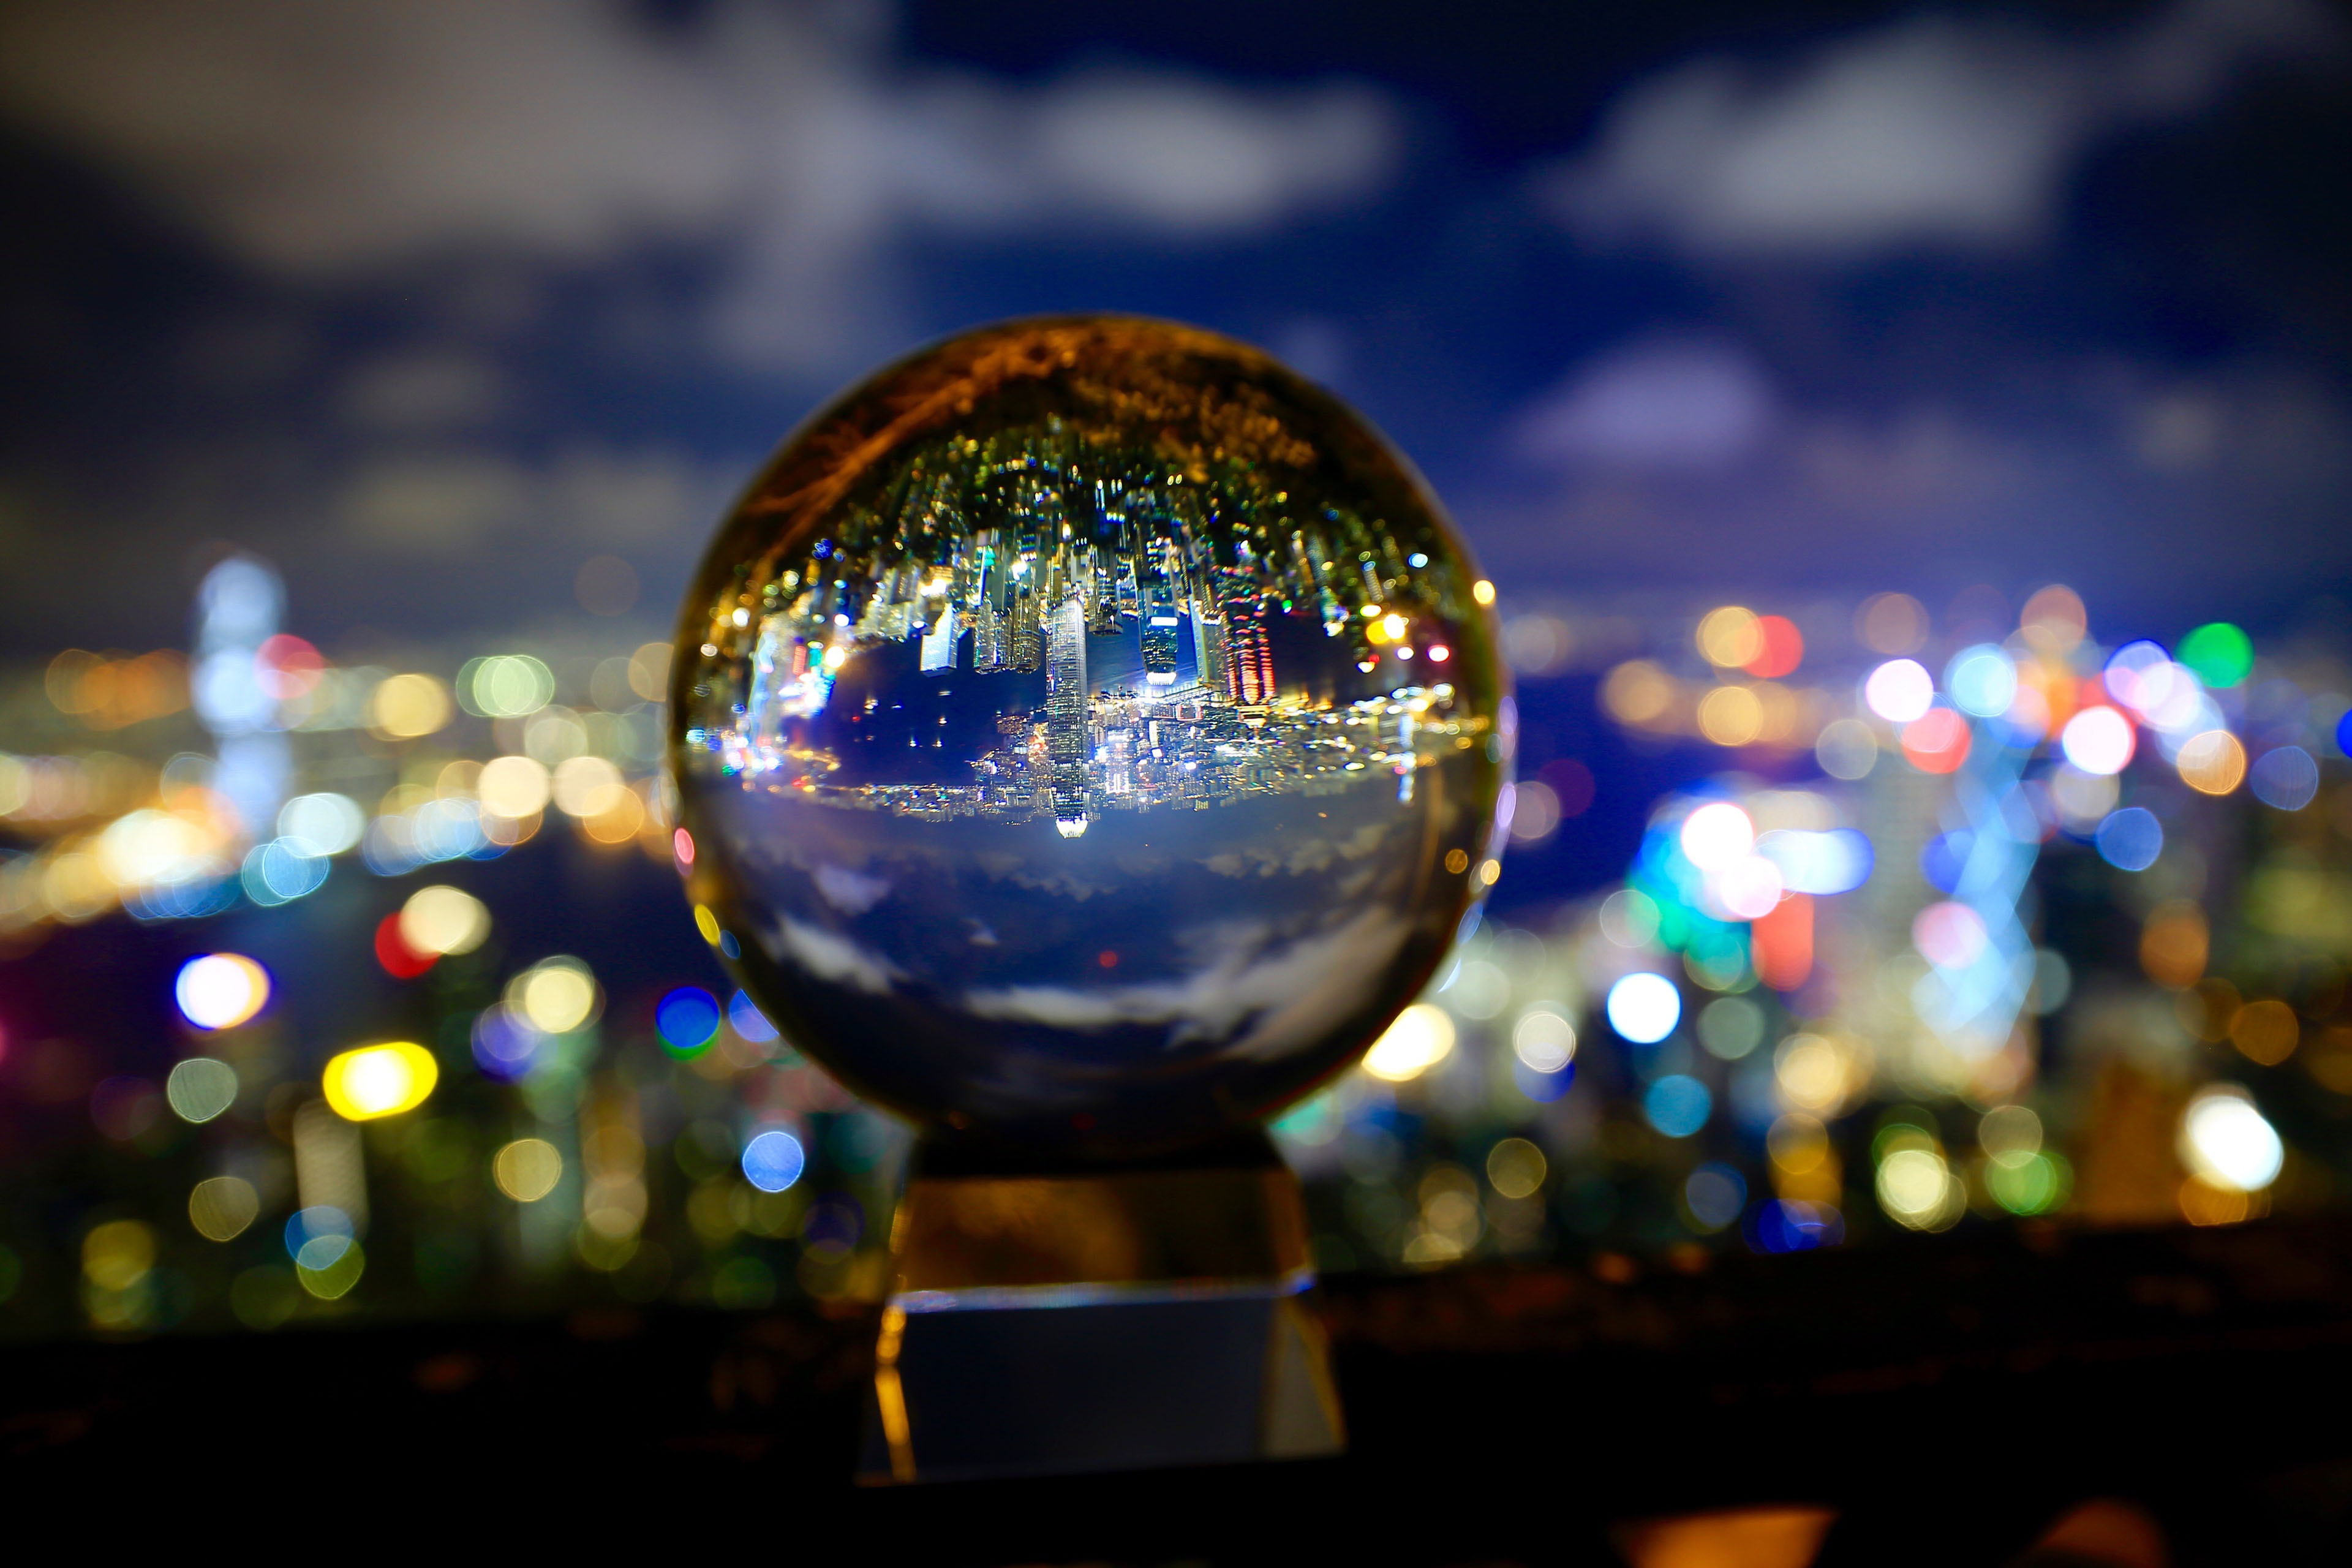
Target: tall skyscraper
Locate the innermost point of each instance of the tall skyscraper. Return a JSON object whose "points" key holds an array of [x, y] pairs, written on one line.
{"points": [[1066, 712]]}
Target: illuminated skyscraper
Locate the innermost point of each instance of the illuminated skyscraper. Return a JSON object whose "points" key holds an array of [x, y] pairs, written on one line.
{"points": [[1066, 713], [1209, 662]]}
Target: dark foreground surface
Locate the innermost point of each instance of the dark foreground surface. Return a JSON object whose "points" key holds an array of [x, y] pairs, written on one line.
{"points": [[1946, 1399]]}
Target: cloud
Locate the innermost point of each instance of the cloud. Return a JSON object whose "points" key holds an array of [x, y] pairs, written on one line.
{"points": [[1936, 131], [834, 958], [349, 141], [424, 389], [1675, 403], [451, 501], [1286, 993]]}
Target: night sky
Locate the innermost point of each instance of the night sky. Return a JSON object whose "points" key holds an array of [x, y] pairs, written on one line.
{"points": [[429, 305]]}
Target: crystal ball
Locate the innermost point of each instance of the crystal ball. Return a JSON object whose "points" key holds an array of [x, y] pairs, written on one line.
{"points": [[1088, 735]]}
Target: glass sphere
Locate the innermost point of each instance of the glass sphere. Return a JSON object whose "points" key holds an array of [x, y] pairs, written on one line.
{"points": [[1088, 735]]}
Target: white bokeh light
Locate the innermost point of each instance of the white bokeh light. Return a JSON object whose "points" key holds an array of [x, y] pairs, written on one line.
{"points": [[2225, 1140], [2097, 740], [1717, 835], [1645, 1008], [1899, 690]]}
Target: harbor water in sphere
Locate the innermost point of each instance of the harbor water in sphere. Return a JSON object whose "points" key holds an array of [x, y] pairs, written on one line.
{"points": [[1089, 734]]}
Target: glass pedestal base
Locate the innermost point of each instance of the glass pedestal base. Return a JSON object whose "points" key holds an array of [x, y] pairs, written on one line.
{"points": [[1060, 1323]]}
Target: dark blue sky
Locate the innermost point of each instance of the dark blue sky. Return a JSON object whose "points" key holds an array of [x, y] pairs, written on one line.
{"points": [[1790, 302]]}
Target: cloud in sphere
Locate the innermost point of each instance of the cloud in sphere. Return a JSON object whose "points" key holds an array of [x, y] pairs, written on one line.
{"points": [[344, 142], [1944, 130]]}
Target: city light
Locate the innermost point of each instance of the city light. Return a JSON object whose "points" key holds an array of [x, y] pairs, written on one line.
{"points": [[1421, 1038], [686, 1019], [2097, 740], [200, 1089], [1899, 690], [1645, 1008], [379, 1080], [2228, 1142], [221, 990], [772, 1161], [1716, 835], [440, 920]]}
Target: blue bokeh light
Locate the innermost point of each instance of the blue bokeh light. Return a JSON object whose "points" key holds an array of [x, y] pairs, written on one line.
{"points": [[773, 1161], [1678, 1105], [686, 1019], [2130, 840]]}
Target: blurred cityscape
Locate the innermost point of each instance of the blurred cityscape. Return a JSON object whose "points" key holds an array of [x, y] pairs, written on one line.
{"points": [[334, 991]]}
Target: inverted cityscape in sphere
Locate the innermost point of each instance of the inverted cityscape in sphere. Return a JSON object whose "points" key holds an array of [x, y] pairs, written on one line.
{"points": [[1089, 735]]}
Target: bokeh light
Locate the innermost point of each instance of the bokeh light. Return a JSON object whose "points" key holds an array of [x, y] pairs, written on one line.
{"points": [[557, 995], [1515, 1168], [441, 921], [1678, 1105], [2097, 740], [1544, 1039], [2221, 655], [220, 990], [2130, 840], [1715, 1194], [526, 1170], [1846, 750], [1899, 690], [773, 1160], [1421, 1038], [200, 1089], [686, 1019], [379, 1080], [2212, 763], [2228, 1142], [1936, 741], [1729, 638], [1782, 649], [407, 705], [1716, 835], [2285, 778], [1982, 681], [223, 1208], [1891, 623], [743, 1016], [1645, 1007]]}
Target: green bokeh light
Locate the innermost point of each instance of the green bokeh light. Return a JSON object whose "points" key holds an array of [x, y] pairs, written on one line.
{"points": [[2218, 652]]}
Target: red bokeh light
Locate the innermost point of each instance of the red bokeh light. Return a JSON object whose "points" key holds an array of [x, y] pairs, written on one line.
{"points": [[1783, 648]]}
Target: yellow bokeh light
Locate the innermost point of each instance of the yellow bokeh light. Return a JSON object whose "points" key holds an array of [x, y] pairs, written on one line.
{"points": [[1916, 1188], [1396, 627], [406, 706], [1490, 871], [379, 1080], [1812, 1071], [707, 923], [513, 786], [221, 1207], [649, 671], [1517, 1168], [620, 819], [117, 1255], [2174, 945], [442, 920], [527, 1169], [1422, 1037], [2212, 763], [1376, 633], [1483, 591], [1730, 637], [2266, 1031], [1638, 692], [558, 996], [1730, 716], [585, 785]]}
